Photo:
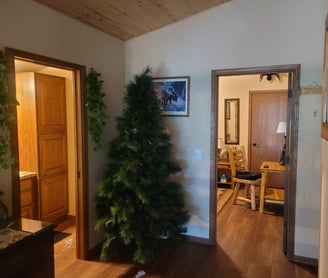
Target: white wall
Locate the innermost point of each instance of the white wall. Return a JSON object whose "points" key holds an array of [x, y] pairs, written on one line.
{"points": [[307, 220], [29, 26], [236, 34]]}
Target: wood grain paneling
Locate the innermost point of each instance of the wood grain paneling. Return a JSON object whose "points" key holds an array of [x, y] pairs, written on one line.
{"points": [[53, 154], [29, 202], [126, 19], [52, 148], [51, 103], [26, 122], [53, 197], [42, 140]]}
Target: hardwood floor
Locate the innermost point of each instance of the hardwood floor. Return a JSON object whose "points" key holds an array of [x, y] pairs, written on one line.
{"points": [[249, 245]]}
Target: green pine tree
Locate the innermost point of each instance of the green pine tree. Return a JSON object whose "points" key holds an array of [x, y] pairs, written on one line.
{"points": [[137, 202]]}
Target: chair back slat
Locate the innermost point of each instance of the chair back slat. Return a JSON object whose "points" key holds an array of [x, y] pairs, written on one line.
{"points": [[237, 160]]}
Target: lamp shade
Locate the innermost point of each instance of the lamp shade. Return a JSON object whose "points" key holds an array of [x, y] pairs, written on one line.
{"points": [[282, 127]]}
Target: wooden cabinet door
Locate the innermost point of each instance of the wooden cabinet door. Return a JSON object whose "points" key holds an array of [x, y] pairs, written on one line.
{"points": [[54, 196], [28, 198], [52, 147], [52, 154], [51, 103]]}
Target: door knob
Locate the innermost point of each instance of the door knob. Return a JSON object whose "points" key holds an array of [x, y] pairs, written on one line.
{"points": [[254, 144]]}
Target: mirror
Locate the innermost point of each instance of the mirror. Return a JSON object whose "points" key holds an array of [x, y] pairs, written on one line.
{"points": [[231, 121]]}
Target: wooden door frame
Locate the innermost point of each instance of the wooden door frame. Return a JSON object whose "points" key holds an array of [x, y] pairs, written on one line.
{"points": [[293, 71], [82, 233]]}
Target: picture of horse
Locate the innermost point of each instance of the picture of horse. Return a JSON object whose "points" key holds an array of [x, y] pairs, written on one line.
{"points": [[173, 95]]}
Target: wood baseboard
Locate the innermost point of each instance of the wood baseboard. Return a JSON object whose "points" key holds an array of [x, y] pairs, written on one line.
{"points": [[205, 241], [95, 251], [305, 260]]}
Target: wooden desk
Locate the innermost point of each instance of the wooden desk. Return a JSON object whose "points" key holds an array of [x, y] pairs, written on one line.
{"points": [[272, 167]]}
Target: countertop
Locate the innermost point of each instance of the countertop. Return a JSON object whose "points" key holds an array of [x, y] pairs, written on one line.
{"points": [[26, 175]]}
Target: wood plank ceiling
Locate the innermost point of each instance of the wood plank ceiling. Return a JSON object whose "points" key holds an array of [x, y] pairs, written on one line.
{"points": [[126, 19]]}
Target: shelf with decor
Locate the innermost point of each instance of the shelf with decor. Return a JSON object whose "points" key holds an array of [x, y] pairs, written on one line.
{"points": [[223, 173]]}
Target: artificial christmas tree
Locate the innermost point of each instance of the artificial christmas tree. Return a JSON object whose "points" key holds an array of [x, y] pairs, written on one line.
{"points": [[137, 202]]}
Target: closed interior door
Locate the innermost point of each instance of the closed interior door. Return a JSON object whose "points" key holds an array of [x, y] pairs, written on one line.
{"points": [[52, 138], [267, 109]]}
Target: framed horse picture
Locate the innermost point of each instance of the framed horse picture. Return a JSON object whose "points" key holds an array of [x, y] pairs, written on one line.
{"points": [[173, 95]]}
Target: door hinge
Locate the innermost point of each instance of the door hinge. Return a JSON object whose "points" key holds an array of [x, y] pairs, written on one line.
{"points": [[78, 174], [289, 92]]}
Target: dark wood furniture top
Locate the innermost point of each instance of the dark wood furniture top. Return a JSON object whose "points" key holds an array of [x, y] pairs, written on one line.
{"points": [[33, 255]]}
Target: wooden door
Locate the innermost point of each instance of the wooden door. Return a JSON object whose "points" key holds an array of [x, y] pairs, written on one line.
{"points": [[267, 109], [52, 146]]}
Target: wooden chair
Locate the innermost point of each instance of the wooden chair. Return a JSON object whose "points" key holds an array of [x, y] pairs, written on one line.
{"points": [[241, 175]]}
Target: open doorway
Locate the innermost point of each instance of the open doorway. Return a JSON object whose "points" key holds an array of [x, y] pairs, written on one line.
{"points": [[293, 72], [76, 144]]}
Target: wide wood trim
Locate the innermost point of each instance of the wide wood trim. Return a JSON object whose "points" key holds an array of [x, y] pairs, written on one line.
{"points": [[82, 195], [294, 73], [200, 240], [82, 244], [213, 156], [305, 260], [292, 150]]}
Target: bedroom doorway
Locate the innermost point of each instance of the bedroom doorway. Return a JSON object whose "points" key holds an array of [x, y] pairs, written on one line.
{"points": [[77, 75], [293, 73]]}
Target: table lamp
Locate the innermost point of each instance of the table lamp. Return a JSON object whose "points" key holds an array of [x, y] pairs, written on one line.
{"points": [[282, 129]]}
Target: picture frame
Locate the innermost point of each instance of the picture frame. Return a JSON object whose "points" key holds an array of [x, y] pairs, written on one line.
{"points": [[173, 95], [324, 124], [231, 121]]}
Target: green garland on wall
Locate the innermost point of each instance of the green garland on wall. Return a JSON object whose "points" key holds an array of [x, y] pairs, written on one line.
{"points": [[96, 107], [7, 118]]}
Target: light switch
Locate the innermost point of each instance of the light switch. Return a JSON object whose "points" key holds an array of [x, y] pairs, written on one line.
{"points": [[198, 154]]}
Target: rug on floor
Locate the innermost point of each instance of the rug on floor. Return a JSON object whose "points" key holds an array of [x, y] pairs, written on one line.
{"points": [[222, 196], [58, 236]]}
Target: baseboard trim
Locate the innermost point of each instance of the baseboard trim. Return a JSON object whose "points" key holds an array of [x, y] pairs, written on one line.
{"points": [[95, 251], [305, 260], [200, 240]]}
